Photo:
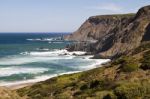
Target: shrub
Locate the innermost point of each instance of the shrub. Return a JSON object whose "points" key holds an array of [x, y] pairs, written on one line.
{"points": [[117, 62], [83, 87], [132, 90], [146, 97], [94, 84], [77, 93], [130, 66], [107, 84], [146, 61], [145, 65], [120, 60], [110, 96]]}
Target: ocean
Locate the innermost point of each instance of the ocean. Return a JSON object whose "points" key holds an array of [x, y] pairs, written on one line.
{"points": [[34, 57]]}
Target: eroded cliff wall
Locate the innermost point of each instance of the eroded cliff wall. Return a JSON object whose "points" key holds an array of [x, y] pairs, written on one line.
{"points": [[116, 34]]}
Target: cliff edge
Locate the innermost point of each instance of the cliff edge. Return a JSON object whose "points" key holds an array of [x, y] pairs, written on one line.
{"points": [[115, 34]]}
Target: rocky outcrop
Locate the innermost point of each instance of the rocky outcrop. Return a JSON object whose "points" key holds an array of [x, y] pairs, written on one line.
{"points": [[82, 46], [97, 26], [116, 34]]}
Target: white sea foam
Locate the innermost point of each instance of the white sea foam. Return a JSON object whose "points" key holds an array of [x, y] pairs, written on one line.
{"points": [[98, 62], [34, 39], [45, 39], [8, 71], [19, 60], [30, 57], [76, 53], [48, 53], [55, 42], [91, 63], [42, 49], [53, 53], [24, 53], [45, 77]]}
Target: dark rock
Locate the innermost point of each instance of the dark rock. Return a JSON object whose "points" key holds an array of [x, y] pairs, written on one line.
{"points": [[81, 46], [98, 56], [65, 54]]}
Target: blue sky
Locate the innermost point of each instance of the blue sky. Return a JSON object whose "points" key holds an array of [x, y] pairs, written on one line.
{"points": [[58, 15]]}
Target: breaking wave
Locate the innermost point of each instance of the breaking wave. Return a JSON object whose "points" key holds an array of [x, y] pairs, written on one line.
{"points": [[76, 61], [8, 71]]}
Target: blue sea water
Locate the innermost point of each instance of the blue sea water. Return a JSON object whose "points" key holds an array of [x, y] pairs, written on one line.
{"points": [[33, 57]]}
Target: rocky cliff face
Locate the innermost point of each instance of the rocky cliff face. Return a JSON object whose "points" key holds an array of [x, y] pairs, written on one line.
{"points": [[116, 34], [97, 26]]}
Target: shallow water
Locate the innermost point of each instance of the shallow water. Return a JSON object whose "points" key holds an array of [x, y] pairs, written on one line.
{"points": [[35, 57]]}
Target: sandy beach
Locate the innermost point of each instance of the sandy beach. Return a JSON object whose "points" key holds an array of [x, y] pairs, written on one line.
{"points": [[14, 87]]}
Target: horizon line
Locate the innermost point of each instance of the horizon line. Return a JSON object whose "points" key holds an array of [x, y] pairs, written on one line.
{"points": [[36, 32]]}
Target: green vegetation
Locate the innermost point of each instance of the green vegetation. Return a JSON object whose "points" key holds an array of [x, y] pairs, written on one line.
{"points": [[145, 50], [119, 61], [133, 90], [128, 64], [100, 83], [146, 61]]}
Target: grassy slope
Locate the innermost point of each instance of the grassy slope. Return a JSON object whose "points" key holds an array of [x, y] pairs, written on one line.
{"points": [[125, 78]]}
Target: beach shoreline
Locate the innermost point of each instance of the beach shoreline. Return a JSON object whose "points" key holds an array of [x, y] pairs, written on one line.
{"points": [[15, 87], [18, 85], [29, 82]]}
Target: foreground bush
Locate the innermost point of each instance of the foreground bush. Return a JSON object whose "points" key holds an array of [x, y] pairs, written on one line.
{"points": [[120, 60], [128, 64], [133, 90], [146, 61]]}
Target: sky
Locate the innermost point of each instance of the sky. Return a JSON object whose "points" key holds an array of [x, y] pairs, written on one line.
{"points": [[58, 15]]}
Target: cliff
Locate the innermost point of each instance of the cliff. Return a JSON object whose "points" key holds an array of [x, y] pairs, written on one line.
{"points": [[115, 34], [97, 26]]}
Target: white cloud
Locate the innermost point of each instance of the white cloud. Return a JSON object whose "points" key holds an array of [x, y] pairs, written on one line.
{"points": [[108, 6]]}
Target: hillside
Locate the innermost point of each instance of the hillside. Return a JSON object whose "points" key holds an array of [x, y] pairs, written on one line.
{"points": [[115, 34], [127, 77]]}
